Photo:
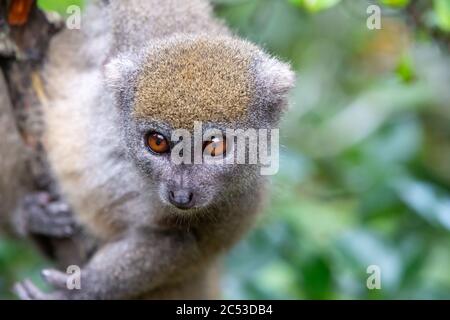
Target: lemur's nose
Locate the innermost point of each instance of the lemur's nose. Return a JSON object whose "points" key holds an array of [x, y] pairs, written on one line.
{"points": [[183, 199]]}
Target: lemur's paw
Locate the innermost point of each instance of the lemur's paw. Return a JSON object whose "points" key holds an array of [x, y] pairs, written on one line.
{"points": [[41, 214], [26, 290], [55, 278]]}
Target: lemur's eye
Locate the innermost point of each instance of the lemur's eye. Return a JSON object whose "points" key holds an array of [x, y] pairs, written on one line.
{"points": [[215, 147], [157, 142]]}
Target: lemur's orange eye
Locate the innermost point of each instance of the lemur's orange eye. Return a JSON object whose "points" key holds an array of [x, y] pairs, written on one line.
{"points": [[157, 142], [215, 147]]}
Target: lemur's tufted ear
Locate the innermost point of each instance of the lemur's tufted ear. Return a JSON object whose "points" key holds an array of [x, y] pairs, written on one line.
{"points": [[275, 79], [119, 70]]}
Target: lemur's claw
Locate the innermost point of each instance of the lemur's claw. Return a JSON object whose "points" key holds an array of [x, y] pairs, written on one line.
{"points": [[26, 290], [55, 278], [20, 291]]}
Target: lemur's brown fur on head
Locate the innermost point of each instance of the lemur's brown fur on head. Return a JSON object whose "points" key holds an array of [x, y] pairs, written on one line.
{"points": [[207, 79]]}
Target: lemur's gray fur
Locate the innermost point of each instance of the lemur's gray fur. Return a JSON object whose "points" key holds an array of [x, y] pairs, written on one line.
{"points": [[14, 178], [136, 67]]}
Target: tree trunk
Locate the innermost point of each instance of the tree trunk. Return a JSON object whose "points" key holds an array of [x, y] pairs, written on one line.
{"points": [[25, 33]]}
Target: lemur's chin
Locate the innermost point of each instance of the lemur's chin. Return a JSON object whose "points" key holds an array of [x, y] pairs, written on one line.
{"points": [[196, 208]]}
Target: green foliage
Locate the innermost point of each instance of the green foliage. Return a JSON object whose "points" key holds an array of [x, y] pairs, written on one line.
{"points": [[315, 5], [395, 3], [365, 171], [405, 69], [59, 6]]}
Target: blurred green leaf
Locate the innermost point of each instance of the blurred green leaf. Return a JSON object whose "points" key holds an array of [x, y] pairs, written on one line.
{"points": [[425, 199], [317, 278], [395, 3], [405, 69], [315, 5], [59, 6]]}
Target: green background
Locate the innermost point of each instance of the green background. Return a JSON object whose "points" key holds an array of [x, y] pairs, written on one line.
{"points": [[365, 171]]}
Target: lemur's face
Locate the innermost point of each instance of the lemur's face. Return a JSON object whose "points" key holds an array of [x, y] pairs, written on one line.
{"points": [[187, 184], [222, 83]]}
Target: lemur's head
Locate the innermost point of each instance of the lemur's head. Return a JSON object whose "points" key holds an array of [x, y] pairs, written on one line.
{"points": [[222, 82]]}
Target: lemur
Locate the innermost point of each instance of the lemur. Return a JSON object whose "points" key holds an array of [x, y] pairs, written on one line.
{"points": [[136, 71]]}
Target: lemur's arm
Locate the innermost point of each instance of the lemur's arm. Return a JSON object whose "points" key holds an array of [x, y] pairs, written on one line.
{"points": [[123, 269]]}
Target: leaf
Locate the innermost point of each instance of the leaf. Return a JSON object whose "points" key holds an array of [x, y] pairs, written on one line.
{"points": [[426, 200], [362, 248], [317, 278], [395, 3], [442, 10], [405, 69]]}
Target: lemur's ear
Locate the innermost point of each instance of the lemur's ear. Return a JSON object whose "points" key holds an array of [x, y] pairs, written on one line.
{"points": [[119, 70], [275, 78]]}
